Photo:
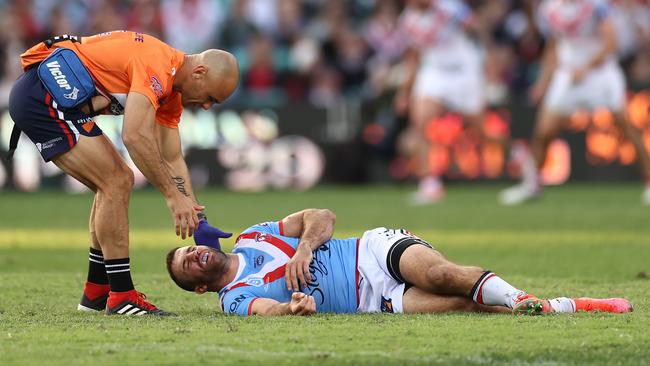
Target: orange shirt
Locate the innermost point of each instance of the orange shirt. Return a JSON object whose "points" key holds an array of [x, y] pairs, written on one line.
{"points": [[121, 62]]}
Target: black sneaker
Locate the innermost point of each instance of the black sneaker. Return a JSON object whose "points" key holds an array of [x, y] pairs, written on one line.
{"points": [[99, 304]]}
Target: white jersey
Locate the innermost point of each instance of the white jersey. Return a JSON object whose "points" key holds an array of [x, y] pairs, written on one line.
{"points": [[439, 33], [575, 26]]}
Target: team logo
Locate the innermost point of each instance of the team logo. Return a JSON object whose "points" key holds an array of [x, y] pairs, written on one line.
{"points": [[255, 281], [259, 261], [260, 237], [156, 86], [386, 305]]}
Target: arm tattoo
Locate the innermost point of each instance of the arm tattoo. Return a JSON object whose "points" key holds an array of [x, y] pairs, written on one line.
{"points": [[180, 185]]}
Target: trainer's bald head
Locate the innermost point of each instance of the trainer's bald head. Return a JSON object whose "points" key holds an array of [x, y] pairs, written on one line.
{"points": [[222, 68], [208, 77]]}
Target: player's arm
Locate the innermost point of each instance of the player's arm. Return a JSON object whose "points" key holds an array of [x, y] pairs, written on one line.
{"points": [[608, 36], [314, 227], [169, 143], [300, 304], [410, 63], [139, 138]]}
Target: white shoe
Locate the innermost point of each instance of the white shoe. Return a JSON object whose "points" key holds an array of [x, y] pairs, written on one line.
{"points": [[519, 194], [645, 196], [430, 191]]}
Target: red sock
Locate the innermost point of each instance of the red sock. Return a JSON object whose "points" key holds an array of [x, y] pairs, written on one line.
{"points": [[93, 290]]}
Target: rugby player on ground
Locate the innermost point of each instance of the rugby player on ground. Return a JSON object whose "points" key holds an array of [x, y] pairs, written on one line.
{"points": [[580, 71], [149, 82], [294, 266]]}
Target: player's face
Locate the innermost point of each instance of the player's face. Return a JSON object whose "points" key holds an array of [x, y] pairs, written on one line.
{"points": [[197, 265]]}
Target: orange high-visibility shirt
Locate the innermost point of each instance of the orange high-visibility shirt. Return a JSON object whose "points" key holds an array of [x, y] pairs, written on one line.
{"points": [[121, 62]]}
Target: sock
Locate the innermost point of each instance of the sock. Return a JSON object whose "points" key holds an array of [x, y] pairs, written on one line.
{"points": [[96, 270], [563, 305], [119, 274], [490, 289]]}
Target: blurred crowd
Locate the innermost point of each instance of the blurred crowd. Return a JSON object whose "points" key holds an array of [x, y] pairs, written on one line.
{"points": [[321, 51]]}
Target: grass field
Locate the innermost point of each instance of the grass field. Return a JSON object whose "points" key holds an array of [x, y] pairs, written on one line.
{"points": [[579, 240]]}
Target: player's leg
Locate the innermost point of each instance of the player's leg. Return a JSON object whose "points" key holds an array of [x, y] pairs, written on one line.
{"points": [[96, 289], [420, 301], [95, 162], [423, 109], [632, 134], [548, 127]]}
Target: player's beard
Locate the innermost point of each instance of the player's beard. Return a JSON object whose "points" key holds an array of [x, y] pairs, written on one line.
{"points": [[218, 266]]}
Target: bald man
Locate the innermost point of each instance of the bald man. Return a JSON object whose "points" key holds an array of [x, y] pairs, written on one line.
{"points": [[149, 83]]}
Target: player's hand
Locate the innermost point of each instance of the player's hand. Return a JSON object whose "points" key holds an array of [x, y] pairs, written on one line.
{"points": [[184, 213], [579, 75], [296, 273], [205, 234], [302, 304]]}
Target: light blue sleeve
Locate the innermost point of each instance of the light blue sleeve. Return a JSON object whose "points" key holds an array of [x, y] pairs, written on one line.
{"points": [[270, 227], [238, 301]]}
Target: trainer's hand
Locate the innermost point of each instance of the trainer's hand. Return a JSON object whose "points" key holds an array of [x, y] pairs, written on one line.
{"points": [[296, 273], [209, 235], [184, 212], [302, 304]]}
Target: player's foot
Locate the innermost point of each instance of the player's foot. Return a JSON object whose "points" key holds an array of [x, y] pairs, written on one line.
{"points": [[519, 194], [430, 191], [613, 305], [531, 305], [94, 297], [132, 303], [645, 196]]}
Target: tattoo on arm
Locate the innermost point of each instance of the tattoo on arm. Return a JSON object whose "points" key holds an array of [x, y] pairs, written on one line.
{"points": [[180, 185]]}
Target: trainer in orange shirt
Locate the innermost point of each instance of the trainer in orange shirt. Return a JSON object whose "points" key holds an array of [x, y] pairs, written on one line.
{"points": [[149, 82]]}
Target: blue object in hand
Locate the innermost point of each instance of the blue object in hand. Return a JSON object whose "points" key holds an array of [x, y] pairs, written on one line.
{"points": [[209, 235]]}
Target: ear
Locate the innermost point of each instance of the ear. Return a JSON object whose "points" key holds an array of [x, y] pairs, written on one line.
{"points": [[199, 71], [201, 289]]}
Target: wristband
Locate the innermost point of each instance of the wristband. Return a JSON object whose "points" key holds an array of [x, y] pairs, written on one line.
{"points": [[201, 216]]}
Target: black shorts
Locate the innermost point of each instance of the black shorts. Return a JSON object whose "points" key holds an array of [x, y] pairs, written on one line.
{"points": [[35, 113]]}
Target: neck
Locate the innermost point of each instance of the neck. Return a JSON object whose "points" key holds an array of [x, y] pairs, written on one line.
{"points": [[184, 72], [232, 265]]}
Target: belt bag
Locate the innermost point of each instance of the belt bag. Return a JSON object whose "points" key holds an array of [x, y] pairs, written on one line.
{"points": [[66, 78]]}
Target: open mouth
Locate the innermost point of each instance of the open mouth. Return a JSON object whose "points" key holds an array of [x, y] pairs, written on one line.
{"points": [[204, 258]]}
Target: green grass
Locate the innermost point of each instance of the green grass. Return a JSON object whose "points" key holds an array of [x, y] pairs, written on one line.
{"points": [[579, 240]]}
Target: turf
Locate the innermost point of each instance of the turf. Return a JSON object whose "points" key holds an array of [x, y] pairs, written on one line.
{"points": [[578, 240]]}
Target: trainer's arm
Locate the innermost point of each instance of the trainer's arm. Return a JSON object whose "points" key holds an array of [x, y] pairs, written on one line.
{"points": [[169, 143], [139, 138], [314, 227], [300, 304]]}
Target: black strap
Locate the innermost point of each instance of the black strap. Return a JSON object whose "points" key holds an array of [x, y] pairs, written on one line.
{"points": [[13, 142], [51, 41]]}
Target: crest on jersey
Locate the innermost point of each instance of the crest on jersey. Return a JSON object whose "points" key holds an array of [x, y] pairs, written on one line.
{"points": [[156, 86]]}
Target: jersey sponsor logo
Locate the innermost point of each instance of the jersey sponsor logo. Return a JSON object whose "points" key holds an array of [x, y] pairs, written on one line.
{"points": [[318, 269], [156, 86], [48, 144], [235, 303], [55, 69], [255, 281], [259, 261]]}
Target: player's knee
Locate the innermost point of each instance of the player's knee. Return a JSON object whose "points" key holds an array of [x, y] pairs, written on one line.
{"points": [[120, 182]]}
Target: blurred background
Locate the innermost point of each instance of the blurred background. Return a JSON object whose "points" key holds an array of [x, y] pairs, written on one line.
{"points": [[315, 102]]}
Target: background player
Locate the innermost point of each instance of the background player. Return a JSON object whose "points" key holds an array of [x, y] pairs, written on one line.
{"points": [[384, 270], [580, 70], [445, 73], [149, 82]]}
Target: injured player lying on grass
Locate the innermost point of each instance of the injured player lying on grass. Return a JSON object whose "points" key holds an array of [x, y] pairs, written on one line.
{"points": [[294, 266]]}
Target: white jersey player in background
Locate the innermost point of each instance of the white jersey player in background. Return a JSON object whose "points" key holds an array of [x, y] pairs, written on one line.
{"points": [[445, 72], [580, 71]]}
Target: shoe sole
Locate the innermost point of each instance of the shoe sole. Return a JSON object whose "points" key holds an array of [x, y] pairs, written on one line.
{"points": [[87, 309], [529, 307]]}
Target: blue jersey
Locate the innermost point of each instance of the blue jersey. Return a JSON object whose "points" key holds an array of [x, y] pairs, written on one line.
{"points": [[263, 253]]}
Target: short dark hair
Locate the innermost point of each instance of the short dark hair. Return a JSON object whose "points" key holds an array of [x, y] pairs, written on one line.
{"points": [[170, 258]]}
